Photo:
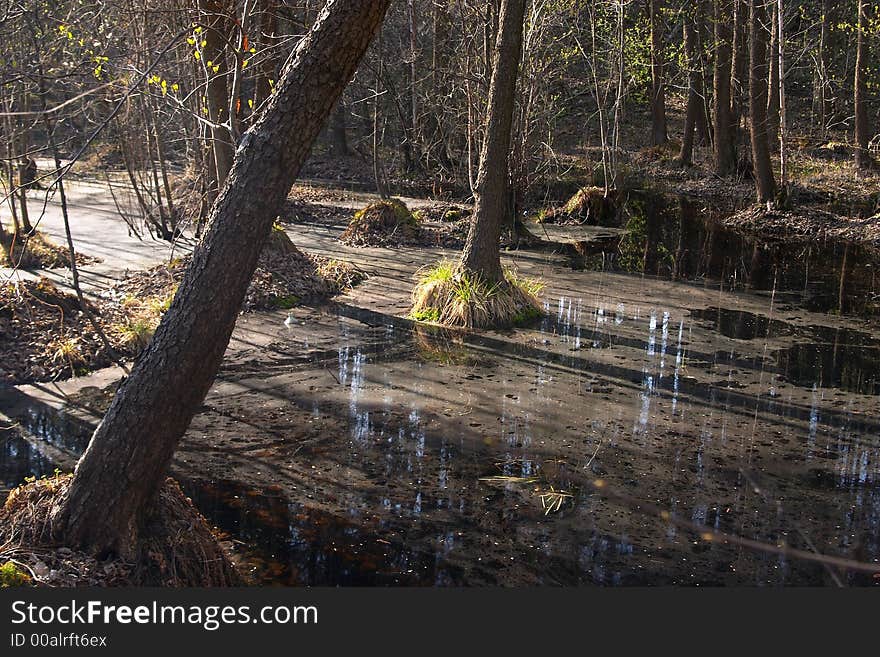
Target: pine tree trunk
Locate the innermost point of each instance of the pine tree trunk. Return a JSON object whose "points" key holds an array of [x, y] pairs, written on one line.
{"points": [[764, 183], [481, 254], [129, 454], [725, 149]]}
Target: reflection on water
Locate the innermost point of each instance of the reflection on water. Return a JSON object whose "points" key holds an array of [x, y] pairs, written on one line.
{"points": [[19, 460], [675, 238]]}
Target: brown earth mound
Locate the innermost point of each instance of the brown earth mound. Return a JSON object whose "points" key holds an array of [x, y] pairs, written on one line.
{"points": [[384, 223], [589, 205], [44, 335], [176, 546], [36, 251], [285, 276]]}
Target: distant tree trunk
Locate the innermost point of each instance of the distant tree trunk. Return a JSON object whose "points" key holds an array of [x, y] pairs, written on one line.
{"points": [[694, 100], [764, 183], [481, 254], [725, 148], [826, 97], [215, 18], [862, 133], [773, 79], [129, 454], [783, 123], [739, 74], [704, 116], [339, 130], [267, 72], [659, 135]]}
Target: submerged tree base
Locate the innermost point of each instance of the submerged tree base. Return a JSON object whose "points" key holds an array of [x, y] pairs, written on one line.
{"points": [[446, 295], [176, 547]]}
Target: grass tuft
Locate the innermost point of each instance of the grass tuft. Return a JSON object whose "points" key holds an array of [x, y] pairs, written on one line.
{"points": [[445, 295]]}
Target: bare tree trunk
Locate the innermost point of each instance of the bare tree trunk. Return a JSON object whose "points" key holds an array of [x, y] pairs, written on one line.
{"points": [[268, 29], [773, 79], [129, 454], [215, 16], [658, 84], [725, 148], [862, 134], [826, 97], [481, 254], [694, 101], [764, 182], [783, 124], [739, 74], [339, 130]]}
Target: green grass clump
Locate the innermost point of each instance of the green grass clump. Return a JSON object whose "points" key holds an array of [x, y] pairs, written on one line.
{"points": [[136, 332], [287, 302], [11, 575], [446, 295]]}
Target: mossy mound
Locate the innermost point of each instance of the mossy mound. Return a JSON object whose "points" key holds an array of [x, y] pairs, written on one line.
{"points": [[384, 223], [448, 296], [176, 546], [589, 205]]}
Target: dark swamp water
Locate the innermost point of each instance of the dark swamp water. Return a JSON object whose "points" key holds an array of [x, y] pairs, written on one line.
{"points": [[695, 408]]}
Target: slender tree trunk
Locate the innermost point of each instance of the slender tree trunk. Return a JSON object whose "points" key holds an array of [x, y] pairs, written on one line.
{"points": [[826, 96], [339, 130], [268, 28], [129, 454], [725, 149], [739, 74], [862, 133], [694, 101], [215, 17], [773, 79], [704, 131], [481, 254], [764, 182], [659, 135], [783, 123]]}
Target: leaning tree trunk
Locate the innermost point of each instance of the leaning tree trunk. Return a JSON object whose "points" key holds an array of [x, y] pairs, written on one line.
{"points": [[725, 148], [861, 136], [764, 183], [130, 452], [492, 199], [658, 83]]}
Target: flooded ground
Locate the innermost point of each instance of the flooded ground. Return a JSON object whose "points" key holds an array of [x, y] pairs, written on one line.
{"points": [[693, 409]]}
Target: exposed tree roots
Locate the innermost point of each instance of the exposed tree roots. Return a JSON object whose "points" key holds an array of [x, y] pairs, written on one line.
{"points": [[176, 547], [445, 295]]}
